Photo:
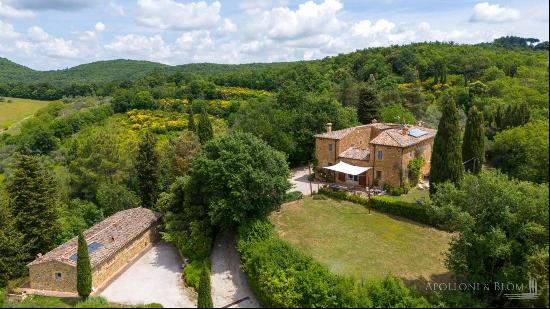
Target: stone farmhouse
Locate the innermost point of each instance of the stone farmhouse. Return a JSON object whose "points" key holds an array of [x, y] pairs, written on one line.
{"points": [[373, 154], [112, 244]]}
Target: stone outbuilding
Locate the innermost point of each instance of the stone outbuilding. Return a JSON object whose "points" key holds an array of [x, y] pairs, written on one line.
{"points": [[112, 244]]}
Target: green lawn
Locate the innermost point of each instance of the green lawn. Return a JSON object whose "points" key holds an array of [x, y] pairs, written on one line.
{"points": [[343, 236], [17, 110], [34, 301], [413, 195]]}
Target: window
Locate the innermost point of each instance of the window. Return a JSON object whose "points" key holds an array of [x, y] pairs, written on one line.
{"points": [[58, 276], [353, 177], [411, 154], [329, 147], [379, 155], [378, 174], [368, 157]]}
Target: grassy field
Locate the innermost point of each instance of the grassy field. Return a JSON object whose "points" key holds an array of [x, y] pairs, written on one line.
{"points": [[34, 301], [17, 110], [413, 195], [349, 241]]}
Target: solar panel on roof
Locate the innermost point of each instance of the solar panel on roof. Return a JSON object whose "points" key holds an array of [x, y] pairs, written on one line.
{"points": [[417, 132], [91, 248]]}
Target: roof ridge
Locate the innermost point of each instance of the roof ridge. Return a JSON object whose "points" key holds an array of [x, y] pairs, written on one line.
{"points": [[398, 143]]}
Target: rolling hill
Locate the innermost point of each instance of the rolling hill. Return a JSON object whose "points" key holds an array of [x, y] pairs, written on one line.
{"points": [[95, 72]]}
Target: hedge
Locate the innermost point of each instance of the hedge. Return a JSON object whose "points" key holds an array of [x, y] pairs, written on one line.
{"points": [[284, 277], [413, 211], [292, 196]]}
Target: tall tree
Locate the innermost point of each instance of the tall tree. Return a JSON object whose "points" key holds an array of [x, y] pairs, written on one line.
{"points": [[473, 147], [205, 296], [13, 251], [147, 169], [191, 123], [368, 106], [83, 268], [33, 203], [446, 161], [204, 129]]}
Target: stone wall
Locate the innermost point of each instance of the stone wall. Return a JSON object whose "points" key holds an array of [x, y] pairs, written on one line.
{"points": [[109, 267], [360, 138], [389, 165], [42, 276], [322, 153]]}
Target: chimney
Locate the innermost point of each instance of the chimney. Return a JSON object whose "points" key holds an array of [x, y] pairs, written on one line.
{"points": [[39, 255], [420, 124], [404, 130], [374, 121], [328, 127]]}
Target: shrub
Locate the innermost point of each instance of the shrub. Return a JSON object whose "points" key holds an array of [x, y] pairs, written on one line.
{"points": [[415, 168], [293, 196], [205, 295], [192, 272], [93, 302], [413, 211]]}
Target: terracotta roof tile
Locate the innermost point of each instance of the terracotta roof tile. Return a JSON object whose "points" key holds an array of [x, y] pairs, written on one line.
{"points": [[111, 234], [395, 137], [355, 153]]}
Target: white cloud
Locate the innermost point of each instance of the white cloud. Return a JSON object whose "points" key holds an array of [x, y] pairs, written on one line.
{"points": [[227, 26], [493, 13], [308, 20], [37, 34], [52, 47], [11, 12], [139, 45], [367, 29], [170, 14], [7, 31], [115, 9], [99, 26]]}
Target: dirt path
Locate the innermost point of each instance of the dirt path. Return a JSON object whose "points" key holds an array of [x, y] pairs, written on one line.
{"points": [[229, 283]]}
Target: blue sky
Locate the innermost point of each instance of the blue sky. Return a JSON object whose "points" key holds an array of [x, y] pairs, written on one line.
{"points": [[56, 34]]}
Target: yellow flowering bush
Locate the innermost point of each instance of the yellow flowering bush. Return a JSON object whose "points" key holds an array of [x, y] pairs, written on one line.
{"points": [[157, 121], [228, 93]]}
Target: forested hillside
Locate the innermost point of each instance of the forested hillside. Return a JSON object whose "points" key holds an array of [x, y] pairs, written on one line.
{"points": [[207, 145]]}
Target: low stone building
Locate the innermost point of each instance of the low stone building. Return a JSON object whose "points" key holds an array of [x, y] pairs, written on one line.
{"points": [[112, 244], [385, 149]]}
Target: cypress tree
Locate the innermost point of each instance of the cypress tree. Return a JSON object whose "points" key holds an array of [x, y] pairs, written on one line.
{"points": [[446, 161], [191, 124], [205, 296], [147, 169], [33, 202], [368, 106], [499, 119], [473, 148], [13, 251], [83, 269], [204, 129]]}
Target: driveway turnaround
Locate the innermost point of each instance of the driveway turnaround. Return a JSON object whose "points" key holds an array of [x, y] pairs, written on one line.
{"points": [[300, 181], [229, 284], [154, 278]]}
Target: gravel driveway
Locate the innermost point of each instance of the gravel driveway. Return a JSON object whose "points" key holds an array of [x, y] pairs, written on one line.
{"points": [[154, 278], [300, 182], [229, 283]]}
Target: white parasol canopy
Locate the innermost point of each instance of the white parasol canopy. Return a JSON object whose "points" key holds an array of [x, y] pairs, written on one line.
{"points": [[349, 169]]}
